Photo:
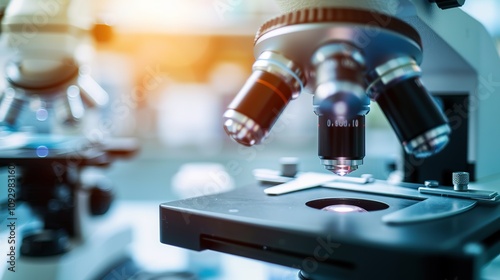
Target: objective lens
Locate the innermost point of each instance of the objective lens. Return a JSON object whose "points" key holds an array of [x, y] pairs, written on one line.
{"points": [[340, 87], [274, 82], [418, 122], [11, 106], [341, 143]]}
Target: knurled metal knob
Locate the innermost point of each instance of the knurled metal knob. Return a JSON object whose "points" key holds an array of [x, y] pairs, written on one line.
{"points": [[460, 181]]}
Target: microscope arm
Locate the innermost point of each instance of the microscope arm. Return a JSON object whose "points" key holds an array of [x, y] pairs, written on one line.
{"points": [[463, 58]]}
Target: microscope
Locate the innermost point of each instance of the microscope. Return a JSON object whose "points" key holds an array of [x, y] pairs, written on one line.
{"points": [[434, 72], [56, 207], [372, 56]]}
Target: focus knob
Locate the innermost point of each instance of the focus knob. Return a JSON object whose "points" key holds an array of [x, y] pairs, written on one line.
{"points": [[460, 181], [48, 242], [448, 4], [101, 198]]}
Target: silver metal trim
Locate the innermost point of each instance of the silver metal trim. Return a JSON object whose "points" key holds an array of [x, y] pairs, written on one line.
{"points": [[325, 52], [341, 166], [289, 72], [391, 71], [431, 183], [430, 209], [342, 161], [299, 42], [325, 90], [428, 143], [470, 193], [243, 129], [392, 64]]}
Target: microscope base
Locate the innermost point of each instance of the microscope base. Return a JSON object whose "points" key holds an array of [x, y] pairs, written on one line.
{"points": [[106, 247]]}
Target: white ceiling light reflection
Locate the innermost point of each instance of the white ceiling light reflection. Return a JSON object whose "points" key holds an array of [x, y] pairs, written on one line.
{"points": [[344, 208]]}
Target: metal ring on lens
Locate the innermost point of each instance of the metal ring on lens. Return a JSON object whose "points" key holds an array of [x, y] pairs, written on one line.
{"points": [[323, 90], [284, 68], [339, 85], [393, 70], [326, 51], [242, 129], [341, 166], [429, 143]]}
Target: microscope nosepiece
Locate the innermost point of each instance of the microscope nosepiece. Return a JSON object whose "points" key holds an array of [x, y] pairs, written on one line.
{"points": [[322, 46]]}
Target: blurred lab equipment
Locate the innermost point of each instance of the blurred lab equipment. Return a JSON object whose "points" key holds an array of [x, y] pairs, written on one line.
{"points": [[49, 146]]}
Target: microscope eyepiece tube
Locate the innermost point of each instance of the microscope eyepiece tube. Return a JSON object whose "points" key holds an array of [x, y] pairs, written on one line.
{"points": [[339, 74], [252, 113], [341, 143], [419, 123]]}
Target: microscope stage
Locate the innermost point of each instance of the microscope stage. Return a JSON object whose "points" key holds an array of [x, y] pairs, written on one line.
{"points": [[358, 244]]}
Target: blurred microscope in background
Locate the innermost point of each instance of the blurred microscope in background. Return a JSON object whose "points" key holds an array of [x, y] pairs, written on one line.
{"points": [[51, 135]]}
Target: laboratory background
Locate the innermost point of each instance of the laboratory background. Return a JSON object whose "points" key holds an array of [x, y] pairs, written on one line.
{"points": [[157, 77]]}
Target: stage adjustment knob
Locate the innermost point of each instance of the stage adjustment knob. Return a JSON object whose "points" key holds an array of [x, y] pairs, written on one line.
{"points": [[100, 200], [48, 242], [448, 4], [460, 181]]}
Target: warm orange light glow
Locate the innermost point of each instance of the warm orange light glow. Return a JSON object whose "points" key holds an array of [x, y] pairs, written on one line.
{"points": [[193, 16]]}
